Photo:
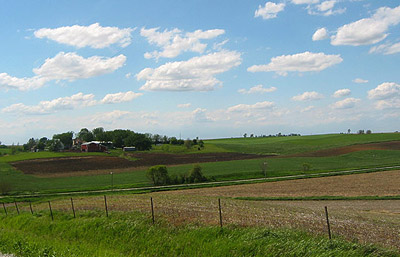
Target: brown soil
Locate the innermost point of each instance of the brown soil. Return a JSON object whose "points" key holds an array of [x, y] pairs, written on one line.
{"points": [[73, 165], [368, 184], [392, 145]]}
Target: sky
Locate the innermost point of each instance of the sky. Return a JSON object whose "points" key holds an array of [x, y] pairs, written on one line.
{"points": [[207, 69]]}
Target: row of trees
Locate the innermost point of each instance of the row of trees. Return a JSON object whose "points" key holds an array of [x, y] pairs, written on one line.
{"points": [[277, 135], [159, 176], [118, 137]]}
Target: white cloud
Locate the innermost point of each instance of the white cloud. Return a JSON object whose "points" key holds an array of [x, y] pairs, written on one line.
{"points": [[301, 62], [64, 66], [128, 75], [257, 90], [326, 8], [360, 81], [342, 92], [195, 74], [320, 34], [308, 108], [249, 107], [368, 30], [76, 101], [200, 115], [108, 117], [305, 1], [94, 36], [174, 42], [346, 103], [187, 105], [45, 107], [120, 97], [269, 11], [384, 91], [70, 66], [308, 96], [386, 49]]}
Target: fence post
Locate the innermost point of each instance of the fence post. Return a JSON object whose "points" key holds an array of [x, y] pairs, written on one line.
{"points": [[220, 212], [51, 211], [30, 207], [73, 209], [327, 221], [152, 210], [5, 209], [105, 204], [16, 207]]}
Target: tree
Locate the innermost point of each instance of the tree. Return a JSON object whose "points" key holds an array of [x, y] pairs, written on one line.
{"points": [[85, 135], [348, 131], [201, 143], [196, 175], [42, 143], [368, 131], [65, 138], [99, 134], [140, 141], [188, 143], [245, 135], [158, 175], [30, 144]]}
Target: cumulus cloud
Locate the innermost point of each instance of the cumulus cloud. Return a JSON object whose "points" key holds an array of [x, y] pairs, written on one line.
{"points": [[269, 11], [325, 8], [259, 89], [320, 34], [360, 81], [308, 108], [346, 103], [76, 101], [174, 42], [120, 97], [308, 96], [386, 49], [94, 36], [368, 30], [64, 66], [200, 115], [305, 1], [46, 107], [302, 62], [195, 74], [384, 91], [249, 107], [342, 92], [187, 105]]}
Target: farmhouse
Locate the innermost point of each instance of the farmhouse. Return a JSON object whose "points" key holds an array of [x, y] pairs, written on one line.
{"points": [[94, 146]]}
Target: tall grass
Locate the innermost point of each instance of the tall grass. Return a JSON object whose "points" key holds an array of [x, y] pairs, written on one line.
{"points": [[131, 234]]}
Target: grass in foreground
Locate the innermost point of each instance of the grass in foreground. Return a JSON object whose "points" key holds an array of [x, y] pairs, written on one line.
{"points": [[131, 234]]}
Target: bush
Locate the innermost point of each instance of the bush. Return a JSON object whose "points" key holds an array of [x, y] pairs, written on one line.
{"points": [[195, 175], [158, 175], [306, 166]]}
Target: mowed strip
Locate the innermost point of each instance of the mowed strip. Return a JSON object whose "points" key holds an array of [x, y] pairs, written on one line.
{"points": [[384, 183]]}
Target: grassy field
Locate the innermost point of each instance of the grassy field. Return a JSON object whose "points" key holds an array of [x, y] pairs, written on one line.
{"points": [[298, 144], [219, 171], [131, 234]]}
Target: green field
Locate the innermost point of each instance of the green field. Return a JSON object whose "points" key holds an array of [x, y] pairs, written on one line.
{"points": [[219, 171], [132, 234], [299, 144]]}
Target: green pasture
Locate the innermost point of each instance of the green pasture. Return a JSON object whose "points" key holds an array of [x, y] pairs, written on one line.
{"points": [[220, 171], [298, 144], [132, 234]]}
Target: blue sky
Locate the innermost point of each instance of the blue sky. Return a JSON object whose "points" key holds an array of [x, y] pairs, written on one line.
{"points": [[199, 68]]}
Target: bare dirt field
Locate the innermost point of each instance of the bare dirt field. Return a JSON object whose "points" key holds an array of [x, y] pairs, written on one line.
{"points": [[368, 184], [92, 163], [392, 145]]}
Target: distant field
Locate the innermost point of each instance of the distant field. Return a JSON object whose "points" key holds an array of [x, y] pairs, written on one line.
{"points": [[298, 144]]}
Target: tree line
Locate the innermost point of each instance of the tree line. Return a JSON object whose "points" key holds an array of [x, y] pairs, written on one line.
{"points": [[118, 138]]}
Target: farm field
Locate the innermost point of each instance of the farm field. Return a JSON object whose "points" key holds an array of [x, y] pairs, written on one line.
{"points": [[364, 221], [51, 172]]}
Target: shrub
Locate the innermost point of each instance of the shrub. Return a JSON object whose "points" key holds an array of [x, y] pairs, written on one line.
{"points": [[158, 175], [196, 175], [306, 166]]}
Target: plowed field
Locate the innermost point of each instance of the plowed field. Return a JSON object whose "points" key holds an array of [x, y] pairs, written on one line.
{"points": [[80, 164]]}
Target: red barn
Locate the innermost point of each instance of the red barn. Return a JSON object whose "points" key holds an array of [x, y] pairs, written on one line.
{"points": [[93, 146]]}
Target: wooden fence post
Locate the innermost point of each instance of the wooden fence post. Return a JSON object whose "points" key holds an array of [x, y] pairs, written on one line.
{"points": [[51, 211], [16, 207], [73, 209], [30, 207], [220, 212], [105, 204], [327, 221], [152, 210], [5, 209]]}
